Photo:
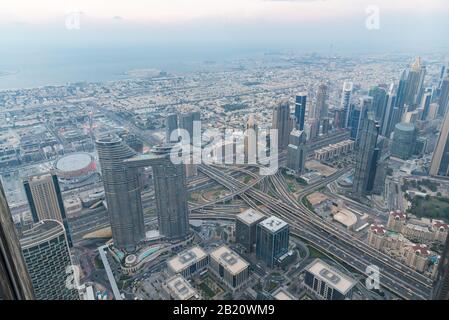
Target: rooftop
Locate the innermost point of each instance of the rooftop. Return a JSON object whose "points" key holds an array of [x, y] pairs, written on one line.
{"points": [[186, 258], [180, 288], [334, 278], [230, 260], [273, 224], [42, 231], [250, 216]]}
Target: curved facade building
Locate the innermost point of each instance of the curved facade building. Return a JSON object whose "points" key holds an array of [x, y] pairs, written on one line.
{"points": [[404, 140], [122, 191], [47, 256], [15, 283]]}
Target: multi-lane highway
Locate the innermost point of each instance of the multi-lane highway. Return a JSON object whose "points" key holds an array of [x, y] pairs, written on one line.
{"points": [[396, 277]]}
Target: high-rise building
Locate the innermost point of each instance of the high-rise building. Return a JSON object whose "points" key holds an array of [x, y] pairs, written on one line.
{"points": [[415, 84], [272, 237], [122, 191], [440, 160], [321, 108], [297, 151], [229, 267], [250, 141], [185, 121], [169, 189], [366, 157], [390, 112], [379, 95], [358, 114], [245, 228], [327, 282], [47, 256], [281, 122], [300, 110], [441, 288], [443, 100], [404, 140], [346, 101], [15, 282], [401, 94], [171, 125], [45, 200], [425, 103]]}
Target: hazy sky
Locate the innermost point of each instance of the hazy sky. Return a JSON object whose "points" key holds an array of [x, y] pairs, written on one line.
{"points": [[265, 24]]}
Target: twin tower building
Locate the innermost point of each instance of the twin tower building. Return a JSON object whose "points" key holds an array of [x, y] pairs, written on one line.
{"points": [[120, 168]]}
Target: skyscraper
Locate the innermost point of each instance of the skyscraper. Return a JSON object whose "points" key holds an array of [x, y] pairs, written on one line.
{"points": [[122, 190], [366, 157], [379, 95], [281, 122], [272, 236], [45, 200], [346, 101], [250, 141], [440, 160], [15, 282], [358, 114], [401, 94], [170, 191], [171, 124], [245, 228], [297, 151], [186, 122], [415, 84], [300, 110], [47, 256], [390, 112], [441, 288], [404, 140], [321, 108], [443, 101]]}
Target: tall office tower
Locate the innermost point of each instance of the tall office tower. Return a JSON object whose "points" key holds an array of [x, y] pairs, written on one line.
{"points": [[366, 155], [443, 101], [425, 103], [272, 236], [185, 121], [297, 151], [47, 256], [250, 140], [313, 128], [433, 111], [381, 158], [404, 140], [321, 108], [416, 76], [441, 288], [389, 111], [379, 95], [402, 93], [300, 110], [15, 283], [170, 191], [281, 122], [339, 120], [346, 101], [440, 160], [358, 114], [122, 190], [45, 200], [325, 126], [245, 228], [171, 124]]}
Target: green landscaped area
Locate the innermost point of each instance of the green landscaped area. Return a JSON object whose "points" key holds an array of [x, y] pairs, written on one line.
{"points": [[208, 292], [430, 207], [314, 253]]}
